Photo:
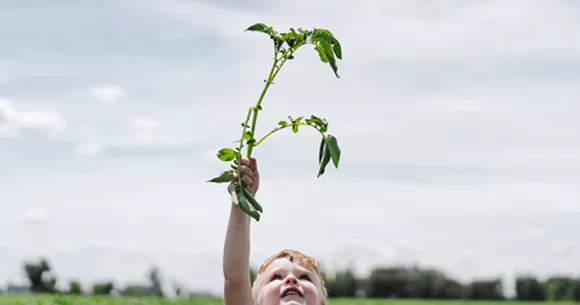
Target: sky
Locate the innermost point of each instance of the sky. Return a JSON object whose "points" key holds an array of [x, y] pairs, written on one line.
{"points": [[459, 125]]}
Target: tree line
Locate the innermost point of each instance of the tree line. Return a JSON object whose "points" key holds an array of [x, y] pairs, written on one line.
{"points": [[401, 282], [413, 282]]}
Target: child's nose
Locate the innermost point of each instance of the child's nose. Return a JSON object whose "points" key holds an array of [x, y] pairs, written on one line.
{"points": [[291, 280]]}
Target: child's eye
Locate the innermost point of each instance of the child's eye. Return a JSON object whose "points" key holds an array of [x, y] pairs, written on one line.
{"points": [[305, 277], [275, 277]]}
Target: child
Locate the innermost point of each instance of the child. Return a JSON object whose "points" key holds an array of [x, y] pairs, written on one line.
{"points": [[288, 277]]}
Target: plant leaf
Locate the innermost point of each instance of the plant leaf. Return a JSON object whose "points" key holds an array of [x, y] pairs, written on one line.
{"points": [[295, 123], [321, 150], [321, 53], [225, 176], [258, 27], [333, 148], [295, 128], [330, 57], [321, 123], [325, 159], [227, 154], [336, 47], [290, 39], [252, 200], [245, 204], [329, 46], [233, 194], [283, 123], [328, 37]]}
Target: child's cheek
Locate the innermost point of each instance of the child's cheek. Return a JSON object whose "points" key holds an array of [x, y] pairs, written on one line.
{"points": [[272, 292], [311, 293]]}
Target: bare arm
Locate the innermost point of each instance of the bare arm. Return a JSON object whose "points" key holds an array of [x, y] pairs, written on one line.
{"points": [[236, 256]]}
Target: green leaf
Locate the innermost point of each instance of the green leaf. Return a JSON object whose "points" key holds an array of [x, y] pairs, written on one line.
{"points": [[295, 128], [245, 204], [327, 46], [227, 154], [278, 42], [233, 193], [283, 123], [225, 176], [330, 57], [333, 148], [247, 135], [325, 158], [328, 37], [295, 123], [321, 150], [320, 123], [258, 27], [337, 48], [252, 200], [290, 39], [238, 198], [321, 53]]}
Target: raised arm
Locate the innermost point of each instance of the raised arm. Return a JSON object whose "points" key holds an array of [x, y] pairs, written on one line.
{"points": [[236, 260]]}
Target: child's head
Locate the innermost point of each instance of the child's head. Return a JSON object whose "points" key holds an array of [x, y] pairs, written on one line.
{"points": [[286, 270]]}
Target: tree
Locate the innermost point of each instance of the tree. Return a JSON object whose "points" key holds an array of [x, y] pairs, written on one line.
{"points": [[559, 288], [103, 288], [41, 280], [529, 288], [486, 290], [343, 285], [75, 288]]}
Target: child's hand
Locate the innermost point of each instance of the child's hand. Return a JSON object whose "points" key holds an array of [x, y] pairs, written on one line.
{"points": [[250, 174]]}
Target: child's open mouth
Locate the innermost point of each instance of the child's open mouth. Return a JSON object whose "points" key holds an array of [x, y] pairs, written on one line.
{"points": [[291, 291]]}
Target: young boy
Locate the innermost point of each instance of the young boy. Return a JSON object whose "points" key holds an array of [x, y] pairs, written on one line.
{"points": [[288, 277]]}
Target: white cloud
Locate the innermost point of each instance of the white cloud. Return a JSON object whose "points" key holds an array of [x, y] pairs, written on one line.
{"points": [[48, 121], [14, 122], [108, 94], [34, 215], [7, 112]]}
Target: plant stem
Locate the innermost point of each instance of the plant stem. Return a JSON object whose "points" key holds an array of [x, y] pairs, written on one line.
{"points": [[257, 107], [285, 58], [243, 133], [280, 128]]}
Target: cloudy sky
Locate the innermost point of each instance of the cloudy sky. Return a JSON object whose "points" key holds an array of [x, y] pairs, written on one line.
{"points": [[459, 125]]}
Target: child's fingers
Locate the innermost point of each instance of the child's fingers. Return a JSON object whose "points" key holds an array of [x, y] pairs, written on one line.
{"points": [[246, 172], [253, 164], [245, 161], [247, 180]]}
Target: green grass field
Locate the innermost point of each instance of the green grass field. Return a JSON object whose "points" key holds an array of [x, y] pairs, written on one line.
{"points": [[90, 300]]}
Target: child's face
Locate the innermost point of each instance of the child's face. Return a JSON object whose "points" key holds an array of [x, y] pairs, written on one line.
{"points": [[283, 276]]}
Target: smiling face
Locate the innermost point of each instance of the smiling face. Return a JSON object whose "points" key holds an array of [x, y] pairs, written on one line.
{"points": [[289, 279]]}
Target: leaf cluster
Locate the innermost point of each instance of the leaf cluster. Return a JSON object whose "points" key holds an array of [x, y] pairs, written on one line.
{"points": [[286, 43]]}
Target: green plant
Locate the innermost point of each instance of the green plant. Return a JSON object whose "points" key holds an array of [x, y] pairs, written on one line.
{"points": [[285, 46]]}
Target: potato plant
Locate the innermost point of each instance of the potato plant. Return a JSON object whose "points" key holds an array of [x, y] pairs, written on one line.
{"points": [[285, 46]]}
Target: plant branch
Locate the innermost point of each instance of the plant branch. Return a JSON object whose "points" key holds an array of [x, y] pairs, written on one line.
{"points": [[245, 126], [284, 59], [283, 127], [257, 107]]}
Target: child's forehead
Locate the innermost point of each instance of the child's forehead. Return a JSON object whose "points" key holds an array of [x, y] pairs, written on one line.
{"points": [[285, 263]]}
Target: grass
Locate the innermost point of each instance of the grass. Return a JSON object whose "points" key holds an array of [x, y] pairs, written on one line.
{"points": [[93, 300]]}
